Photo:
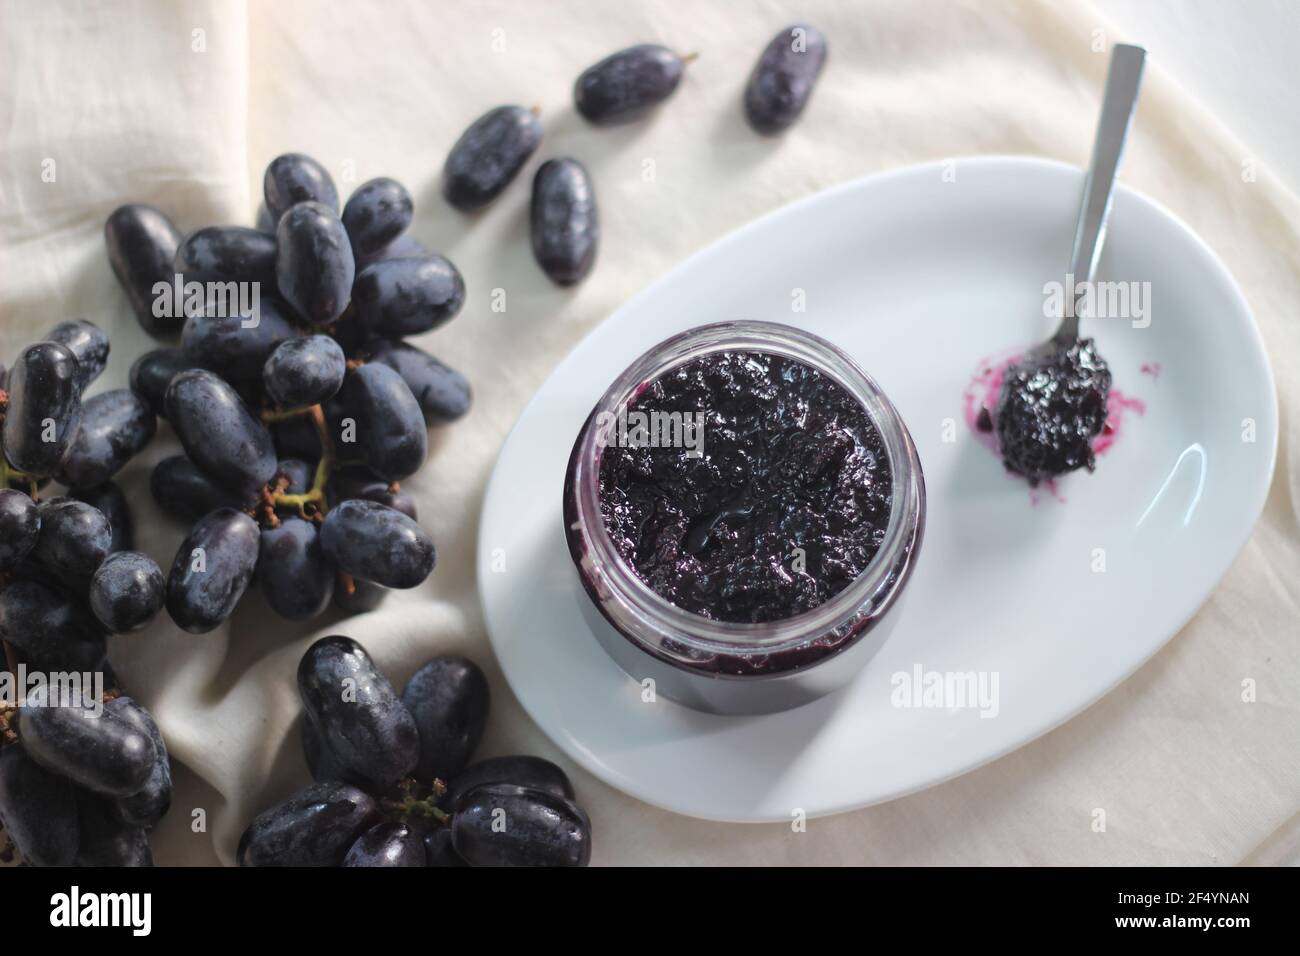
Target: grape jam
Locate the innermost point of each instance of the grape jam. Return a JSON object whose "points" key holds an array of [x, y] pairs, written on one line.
{"points": [[781, 506], [1051, 407]]}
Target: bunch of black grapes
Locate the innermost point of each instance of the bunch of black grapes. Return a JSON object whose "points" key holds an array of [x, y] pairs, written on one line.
{"points": [[380, 762], [73, 790], [84, 782], [299, 412]]}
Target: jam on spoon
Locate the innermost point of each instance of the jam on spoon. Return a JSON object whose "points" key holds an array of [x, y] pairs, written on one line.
{"points": [[1053, 400]]}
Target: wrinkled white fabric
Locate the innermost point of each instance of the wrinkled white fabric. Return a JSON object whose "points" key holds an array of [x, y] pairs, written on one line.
{"points": [[183, 104]]}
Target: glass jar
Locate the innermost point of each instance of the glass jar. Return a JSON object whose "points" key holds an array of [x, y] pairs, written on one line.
{"points": [[741, 668]]}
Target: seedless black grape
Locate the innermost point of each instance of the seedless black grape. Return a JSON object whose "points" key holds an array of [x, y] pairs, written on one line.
{"points": [[388, 844], [443, 393], [314, 827], [219, 433], [294, 178], [88, 342], [565, 228], [38, 809], [398, 297], [628, 84], [126, 591], [376, 543], [390, 430], [102, 753], [74, 537], [377, 213], [356, 712], [314, 267], [142, 245], [44, 408], [488, 155], [304, 371], [448, 697], [212, 569], [784, 77], [20, 524], [115, 427], [295, 578]]}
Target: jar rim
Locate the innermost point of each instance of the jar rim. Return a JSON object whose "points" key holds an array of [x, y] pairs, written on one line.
{"points": [[696, 632]]}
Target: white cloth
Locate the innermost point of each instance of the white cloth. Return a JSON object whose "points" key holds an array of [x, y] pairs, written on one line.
{"points": [[183, 104]]}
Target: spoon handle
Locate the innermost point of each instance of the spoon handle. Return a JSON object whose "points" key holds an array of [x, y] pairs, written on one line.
{"points": [[1118, 102]]}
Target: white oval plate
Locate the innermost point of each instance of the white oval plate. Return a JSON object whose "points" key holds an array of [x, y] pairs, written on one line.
{"points": [[1056, 596]]}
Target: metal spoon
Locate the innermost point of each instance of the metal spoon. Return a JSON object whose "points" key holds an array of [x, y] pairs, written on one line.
{"points": [[1118, 102], [1054, 400]]}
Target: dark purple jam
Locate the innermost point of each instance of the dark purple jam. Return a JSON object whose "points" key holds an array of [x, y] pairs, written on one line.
{"points": [[1052, 405], [787, 503]]}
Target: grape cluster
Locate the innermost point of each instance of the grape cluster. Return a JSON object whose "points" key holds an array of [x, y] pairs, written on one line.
{"points": [[299, 411], [73, 790], [83, 787], [379, 762]]}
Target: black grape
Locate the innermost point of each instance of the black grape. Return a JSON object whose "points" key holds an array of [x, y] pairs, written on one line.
{"points": [[115, 427], [185, 492], [304, 371], [219, 433], [628, 84], [377, 212], [20, 524], [314, 827], [234, 349], [564, 226], [296, 438], [126, 592], [299, 475], [390, 430], [294, 178], [540, 829], [106, 839], [488, 155], [783, 78], [109, 499], [372, 541], [387, 844], [448, 697], [358, 482], [88, 342], [322, 763], [295, 578], [147, 806], [438, 850], [443, 393], [398, 297], [212, 569], [42, 389], [356, 712], [314, 268], [142, 245], [153, 371], [228, 254], [103, 753], [403, 247], [54, 632], [74, 537], [521, 771], [38, 809]]}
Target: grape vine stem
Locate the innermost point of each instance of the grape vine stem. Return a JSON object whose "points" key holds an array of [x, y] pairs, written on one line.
{"points": [[316, 494]]}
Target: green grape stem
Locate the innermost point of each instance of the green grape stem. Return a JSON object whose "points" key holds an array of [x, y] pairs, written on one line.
{"points": [[328, 463]]}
